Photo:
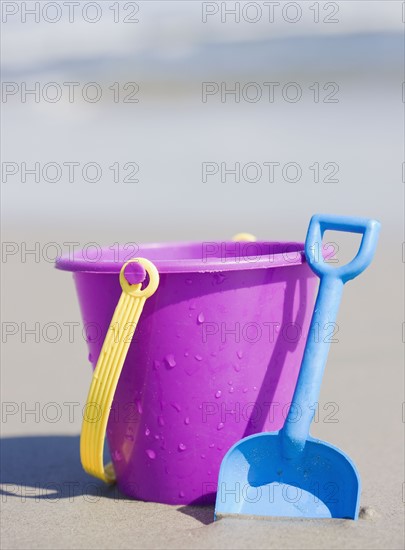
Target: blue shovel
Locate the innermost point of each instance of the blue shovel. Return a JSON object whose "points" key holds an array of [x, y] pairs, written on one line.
{"points": [[289, 473]]}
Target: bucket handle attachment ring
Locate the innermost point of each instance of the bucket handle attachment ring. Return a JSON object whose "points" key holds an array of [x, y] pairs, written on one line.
{"points": [[134, 290], [108, 369]]}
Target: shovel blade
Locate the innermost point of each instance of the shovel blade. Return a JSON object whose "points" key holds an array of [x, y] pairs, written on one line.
{"points": [[255, 479]]}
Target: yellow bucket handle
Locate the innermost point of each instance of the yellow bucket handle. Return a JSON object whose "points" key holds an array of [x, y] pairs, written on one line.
{"points": [[246, 237], [108, 370]]}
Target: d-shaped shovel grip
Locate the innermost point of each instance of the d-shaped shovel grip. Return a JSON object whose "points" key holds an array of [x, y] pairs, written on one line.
{"points": [[320, 223]]}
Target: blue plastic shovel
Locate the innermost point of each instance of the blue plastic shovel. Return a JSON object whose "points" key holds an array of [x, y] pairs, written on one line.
{"points": [[289, 473]]}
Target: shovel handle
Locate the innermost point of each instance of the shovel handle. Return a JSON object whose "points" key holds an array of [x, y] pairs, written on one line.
{"points": [[327, 303], [313, 245]]}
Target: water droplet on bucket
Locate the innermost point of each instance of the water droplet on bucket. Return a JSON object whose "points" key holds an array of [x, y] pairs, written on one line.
{"points": [[219, 278], [189, 281], [186, 354], [214, 354], [239, 353], [236, 368], [230, 382], [147, 431], [157, 436], [200, 318], [220, 426], [170, 361], [182, 447], [245, 390], [181, 494], [211, 445], [117, 456], [187, 421], [156, 364], [218, 394], [176, 407], [151, 454], [198, 357], [139, 406], [192, 305], [231, 390], [254, 388], [161, 421], [202, 456]]}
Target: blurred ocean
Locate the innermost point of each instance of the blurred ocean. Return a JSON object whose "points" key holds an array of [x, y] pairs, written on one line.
{"points": [[170, 133]]}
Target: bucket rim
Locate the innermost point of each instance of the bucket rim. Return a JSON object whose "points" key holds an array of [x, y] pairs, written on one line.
{"points": [[247, 256]]}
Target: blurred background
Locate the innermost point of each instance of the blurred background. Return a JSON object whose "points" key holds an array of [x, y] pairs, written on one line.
{"points": [[348, 68], [152, 135]]}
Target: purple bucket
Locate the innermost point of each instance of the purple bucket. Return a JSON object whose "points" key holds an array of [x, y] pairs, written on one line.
{"points": [[215, 357]]}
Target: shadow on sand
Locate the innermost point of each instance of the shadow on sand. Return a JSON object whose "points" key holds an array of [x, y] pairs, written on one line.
{"points": [[48, 468]]}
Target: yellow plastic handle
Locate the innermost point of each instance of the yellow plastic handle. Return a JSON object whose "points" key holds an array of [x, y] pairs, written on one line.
{"points": [[247, 237], [108, 370]]}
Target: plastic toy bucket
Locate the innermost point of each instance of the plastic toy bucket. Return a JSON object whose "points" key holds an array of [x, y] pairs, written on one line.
{"points": [[214, 358]]}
